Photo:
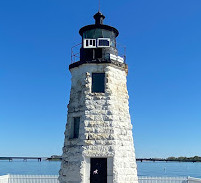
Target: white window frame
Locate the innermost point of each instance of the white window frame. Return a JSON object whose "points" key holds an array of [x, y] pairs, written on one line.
{"points": [[89, 46], [108, 39]]}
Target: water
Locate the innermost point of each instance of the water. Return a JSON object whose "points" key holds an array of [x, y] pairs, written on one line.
{"points": [[170, 169], [30, 167], [144, 168]]}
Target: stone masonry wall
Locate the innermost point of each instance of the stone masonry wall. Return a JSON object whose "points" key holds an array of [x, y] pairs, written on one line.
{"points": [[105, 126]]}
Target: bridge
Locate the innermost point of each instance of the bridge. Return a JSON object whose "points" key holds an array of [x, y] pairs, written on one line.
{"points": [[59, 158], [23, 158]]}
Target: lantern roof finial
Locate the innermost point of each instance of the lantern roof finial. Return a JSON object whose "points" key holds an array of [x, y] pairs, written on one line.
{"points": [[99, 17]]}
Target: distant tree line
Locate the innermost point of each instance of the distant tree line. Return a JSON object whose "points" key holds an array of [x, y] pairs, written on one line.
{"points": [[185, 159], [54, 158]]}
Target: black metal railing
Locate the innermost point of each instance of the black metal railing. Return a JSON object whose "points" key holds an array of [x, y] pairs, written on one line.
{"points": [[121, 51], [75, 52]]}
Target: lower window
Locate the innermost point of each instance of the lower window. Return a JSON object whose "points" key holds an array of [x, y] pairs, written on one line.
{"points": [[75, 127], [98, 82]]}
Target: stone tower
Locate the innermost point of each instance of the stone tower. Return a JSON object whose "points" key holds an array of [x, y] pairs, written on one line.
{"points": [[98, 145]]}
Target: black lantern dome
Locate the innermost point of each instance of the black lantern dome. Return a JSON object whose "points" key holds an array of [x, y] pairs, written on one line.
{"points": [[99, 17]]}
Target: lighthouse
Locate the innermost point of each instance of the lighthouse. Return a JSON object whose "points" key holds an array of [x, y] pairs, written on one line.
{"points": [[98, 145]]}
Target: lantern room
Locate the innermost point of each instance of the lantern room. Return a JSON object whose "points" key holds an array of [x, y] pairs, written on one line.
{"points": [[99, 43]]}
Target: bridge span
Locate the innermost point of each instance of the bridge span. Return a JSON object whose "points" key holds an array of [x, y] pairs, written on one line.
{"points": [[24, 158]]}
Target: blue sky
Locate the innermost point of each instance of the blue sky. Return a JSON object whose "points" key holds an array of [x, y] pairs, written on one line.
{"points": [[163, 40]]}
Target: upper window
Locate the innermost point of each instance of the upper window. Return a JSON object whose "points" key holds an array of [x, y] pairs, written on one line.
{"points": [[103, 42], [89, 43], [98, 82], [75, 126]]}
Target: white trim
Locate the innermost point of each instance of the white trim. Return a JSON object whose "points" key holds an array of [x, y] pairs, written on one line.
{"points": [[120, 59], [110, 170], [87, 170], [116, 58]]}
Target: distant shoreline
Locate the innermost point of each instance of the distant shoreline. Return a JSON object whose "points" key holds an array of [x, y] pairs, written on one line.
{"points": [[169, 159], [59, 158], [166, 160]]}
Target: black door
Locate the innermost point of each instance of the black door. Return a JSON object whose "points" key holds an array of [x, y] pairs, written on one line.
{"points": [[98, 173]]}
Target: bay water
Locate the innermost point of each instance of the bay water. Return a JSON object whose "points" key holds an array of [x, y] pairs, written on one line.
{"points": [[170, 169]]}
